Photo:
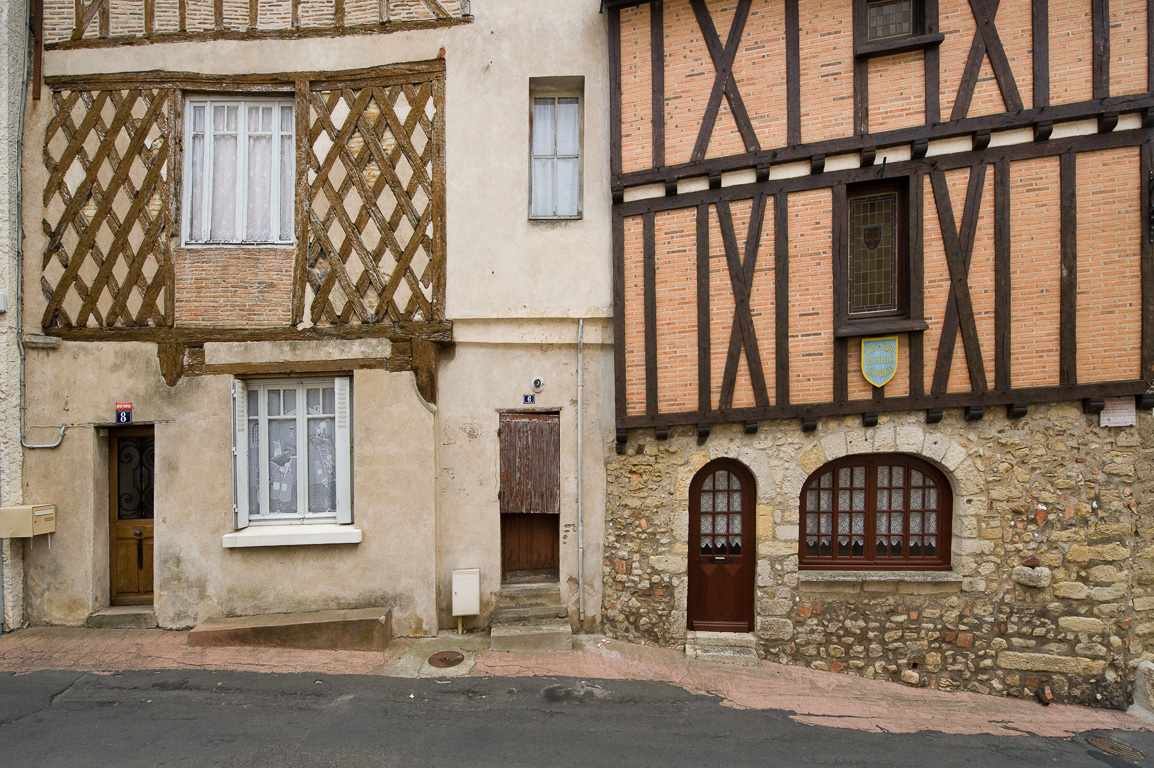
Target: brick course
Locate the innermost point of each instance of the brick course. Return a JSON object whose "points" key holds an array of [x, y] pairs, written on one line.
{"points": [[238, 287]]}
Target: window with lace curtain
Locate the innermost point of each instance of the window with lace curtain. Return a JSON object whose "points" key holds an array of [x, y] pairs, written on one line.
{"points": [[876, 512], [239, 170]]}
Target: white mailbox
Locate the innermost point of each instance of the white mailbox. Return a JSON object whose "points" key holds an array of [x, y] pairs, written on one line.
{"points": [[467, 592], [27, 521]]}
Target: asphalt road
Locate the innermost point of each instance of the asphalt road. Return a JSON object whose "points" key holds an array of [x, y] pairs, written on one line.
{"points": [[195, 718]]}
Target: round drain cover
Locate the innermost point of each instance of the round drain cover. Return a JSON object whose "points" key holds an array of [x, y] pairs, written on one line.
{"points": [[1114, 747], [446, 659]]}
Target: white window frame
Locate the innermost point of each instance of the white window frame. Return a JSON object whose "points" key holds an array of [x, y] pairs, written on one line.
{"points": [[558, 88], [242, 133], [244, 516]]}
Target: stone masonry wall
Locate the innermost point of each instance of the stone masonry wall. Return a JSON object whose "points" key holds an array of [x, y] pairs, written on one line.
{"points": [[1052, 576]]}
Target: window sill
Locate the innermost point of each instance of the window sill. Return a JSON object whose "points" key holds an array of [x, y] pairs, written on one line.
{"points": [[899, 45], [292, 535], [857, 577], [880, 326]]}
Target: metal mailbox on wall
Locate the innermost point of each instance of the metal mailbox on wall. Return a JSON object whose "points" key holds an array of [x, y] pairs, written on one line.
{"points": [[27, 521]]}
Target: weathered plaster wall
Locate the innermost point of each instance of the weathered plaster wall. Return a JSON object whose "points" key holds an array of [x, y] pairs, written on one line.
{"points": [[13, 23], [196, 578], [1052, 486]]}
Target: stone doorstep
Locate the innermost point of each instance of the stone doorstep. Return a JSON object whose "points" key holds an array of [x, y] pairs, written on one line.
{"points": [[123, 617], [528, 613], [517, 595], [734, 656], [554, 635], [359, 629], [702, 639]]}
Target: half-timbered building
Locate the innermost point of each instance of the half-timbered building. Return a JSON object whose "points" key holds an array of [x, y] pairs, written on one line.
{"points": [[317, 299], [883, 302]]}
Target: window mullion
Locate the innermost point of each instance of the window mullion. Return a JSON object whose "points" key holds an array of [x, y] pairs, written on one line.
{"points": [[274, 175], [209, 170], [242, 172], [262, 405], [302, 453]]}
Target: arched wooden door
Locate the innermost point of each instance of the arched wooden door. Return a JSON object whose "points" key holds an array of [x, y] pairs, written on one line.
{"points": [[722, 548]]}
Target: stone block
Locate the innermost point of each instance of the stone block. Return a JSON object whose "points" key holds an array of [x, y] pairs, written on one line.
{"points": [[775, 629], [935, 446], [1144, 603], [1080, 553], [1143, 706], [1037, 578], [362, 629], [1081, 624], [1071, 590], [1043, 662], [954, 456], [911, 677], [885, 439], [910, 438], [786, 532], [834, 445], [859, 441]]}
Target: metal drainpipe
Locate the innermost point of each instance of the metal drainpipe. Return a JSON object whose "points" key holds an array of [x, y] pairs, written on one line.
{"points": [[580, 500], [19, 308]]}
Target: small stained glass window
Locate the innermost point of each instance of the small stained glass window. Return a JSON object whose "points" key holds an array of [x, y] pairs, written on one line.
{"points": [[873, 252], [890, 18]]}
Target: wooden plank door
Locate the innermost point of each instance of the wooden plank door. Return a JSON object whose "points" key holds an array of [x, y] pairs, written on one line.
{"points": [[130, 504], [722, 548], [530, 496]]}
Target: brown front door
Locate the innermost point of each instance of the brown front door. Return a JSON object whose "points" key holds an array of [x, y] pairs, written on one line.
{"points": [[530, 495], [722, 548], [130, 506]]}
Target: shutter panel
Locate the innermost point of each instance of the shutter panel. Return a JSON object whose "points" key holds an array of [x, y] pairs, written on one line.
{"points": [[344, 456], [240, 453]]}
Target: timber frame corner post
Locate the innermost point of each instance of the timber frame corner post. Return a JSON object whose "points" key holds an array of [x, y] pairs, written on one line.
{"points": [[369, 210]]}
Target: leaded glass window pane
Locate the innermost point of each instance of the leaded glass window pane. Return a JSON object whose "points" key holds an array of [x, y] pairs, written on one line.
{"points": [[873, 252], [889, 19]]}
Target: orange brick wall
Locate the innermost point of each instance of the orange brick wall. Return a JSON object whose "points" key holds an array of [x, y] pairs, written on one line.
{"points": [[233, 287], [826, 45], [634, 312], [636, 90], [1071, 52], [1014, 29], [1035, 272], [1128, 46], [897, 89], [676, 241], [1109, 266], [811, 297], [762, 53]]}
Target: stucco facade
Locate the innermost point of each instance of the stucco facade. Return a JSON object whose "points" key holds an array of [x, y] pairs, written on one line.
{"points": [[425, 475]]}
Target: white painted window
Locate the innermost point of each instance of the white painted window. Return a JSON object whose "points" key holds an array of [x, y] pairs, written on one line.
{"points": [[555, 174], [239, 166], [292, 451]]}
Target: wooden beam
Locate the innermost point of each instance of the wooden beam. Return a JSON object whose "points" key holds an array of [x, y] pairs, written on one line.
{"points": [[218, 14], [793, 73], [1068, 312], [1100, 27], [619, 369], [704, 341], [743, 333], [657, 65], [1041, 46], [1146, 226], [723, 81], [916, 284], [840, 249], [931, 61], [781, 295], [37, 48], [1003, 293], [649, 270], [301, 199], [615, 92], [986, 44]]}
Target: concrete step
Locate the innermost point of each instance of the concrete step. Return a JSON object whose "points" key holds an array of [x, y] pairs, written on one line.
{"points": [[521, 595], [360, 629], [721, 639], [734, 656], [554, 635], [123, 617], [528, 614]]}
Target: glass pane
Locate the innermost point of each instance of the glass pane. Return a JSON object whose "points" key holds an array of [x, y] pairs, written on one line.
{"points": [[915, 498], [843, 500], [322, 477], [898, 498], [282, 467], [859, 522], [722, 523], [254, 402], [708, 484], [843, 523], [883, 548], [253, 464], [899, 474], [811, 545], [827, 480], [873, 252], [720, 547], [931, 522], [915, 477], [273, 402], [196, 192], [232, 122], [811, 523], [253, 119], [707, 502], [915, 548], [290, 402], [722, 502], [568, 127], [883, 475], [218, 120], [543, 187], [735, 501], [312, 401], [258, 208], [544, 111], [287, 188], [859, 477], [734, 483], [223, 193], [198, 119], [826, 501], [735, 523], [931, 546], [858, 546], [931, 498], [707, 545], [843, 477], [883, 498], [883, 523], [859, 501], [722, 480], [826, 523], [890, 18], [286, 119], [915, 522], [823, 549], [329, 399], [896, 522], [735, 545], [706, 524], [811, 499], [568, 184], [266, 119]]}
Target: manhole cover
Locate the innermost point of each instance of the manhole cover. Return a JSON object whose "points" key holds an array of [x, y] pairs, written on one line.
{"points": [[1113, 747], [446, 659]]}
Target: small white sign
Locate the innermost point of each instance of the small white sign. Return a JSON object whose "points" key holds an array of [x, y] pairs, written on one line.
{"points": [[1119, 412]]}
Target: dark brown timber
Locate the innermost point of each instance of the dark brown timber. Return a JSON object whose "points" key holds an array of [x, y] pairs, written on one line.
{"points": [[1068, 312], [1003, 319], [1100, 26], [743, 336], [792, 73], [704, 343], [650, 280], [781, 295], [1041, 43], [1146, 227], [724, 82], [657, 63]]}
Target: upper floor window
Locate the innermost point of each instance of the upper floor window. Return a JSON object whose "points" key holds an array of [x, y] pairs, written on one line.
{"points": [[239, 169], [891, 19], [556, 130], [876, 253], [877, 511]]}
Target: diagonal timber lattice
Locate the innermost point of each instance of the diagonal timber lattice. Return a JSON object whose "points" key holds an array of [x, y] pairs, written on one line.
{"points": [[375, 218], [106, 214]]}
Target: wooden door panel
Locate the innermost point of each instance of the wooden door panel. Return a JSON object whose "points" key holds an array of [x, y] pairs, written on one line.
{"points": [[131, 465], [530, 463], [722, 548], [529, 544]]}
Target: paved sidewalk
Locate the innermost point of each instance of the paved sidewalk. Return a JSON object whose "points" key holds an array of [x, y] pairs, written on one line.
{"points": [[819, 698]]}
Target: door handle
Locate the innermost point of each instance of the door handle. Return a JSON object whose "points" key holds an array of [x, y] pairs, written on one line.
{"points": [[720, 559], [138, 532]]}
